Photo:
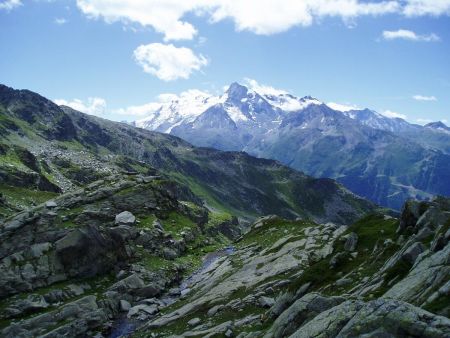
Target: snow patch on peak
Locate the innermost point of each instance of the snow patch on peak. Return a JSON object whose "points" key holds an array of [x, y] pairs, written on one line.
{"points": [[280, 98], [171, 109], [235, 113]]}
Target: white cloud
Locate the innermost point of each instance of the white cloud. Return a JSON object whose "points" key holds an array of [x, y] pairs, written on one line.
{"points": [[342, 107], [163, 16], [258, 16], [409, 35], [60, 21], [270, 17], [391, 114], [427, 7], [168, 62], [10, 4], [93, 106], [424, 98]]}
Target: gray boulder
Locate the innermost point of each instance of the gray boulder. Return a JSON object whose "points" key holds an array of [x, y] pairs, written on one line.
{"points": [[194, 322], [125, 218]]}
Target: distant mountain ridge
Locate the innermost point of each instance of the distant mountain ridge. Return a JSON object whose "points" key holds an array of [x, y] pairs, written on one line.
{"points": [[47, 149], [384, 159]]}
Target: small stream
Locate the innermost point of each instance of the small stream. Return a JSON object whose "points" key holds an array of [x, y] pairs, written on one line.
{"points": [[124, 327]]}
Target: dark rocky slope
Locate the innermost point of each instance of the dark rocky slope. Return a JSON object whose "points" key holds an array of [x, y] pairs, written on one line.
{"points": [[71, 265]]}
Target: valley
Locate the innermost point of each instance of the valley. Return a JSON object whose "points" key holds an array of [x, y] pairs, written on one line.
{"points": [[109, 230]]}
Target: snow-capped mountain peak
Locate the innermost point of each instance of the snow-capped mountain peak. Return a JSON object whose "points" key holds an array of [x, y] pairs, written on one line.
{"points": [[172, 110]]}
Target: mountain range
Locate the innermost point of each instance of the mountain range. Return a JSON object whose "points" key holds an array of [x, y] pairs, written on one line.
{"points": [[386, 160], [108, 230], [55, 149]]}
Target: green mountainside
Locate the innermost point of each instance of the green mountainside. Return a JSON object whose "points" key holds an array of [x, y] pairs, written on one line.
{"points": [[56, 150], [107, 230]]}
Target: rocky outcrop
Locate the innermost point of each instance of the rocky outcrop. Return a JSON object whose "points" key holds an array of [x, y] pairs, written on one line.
{"points": [[88, 251], [379, 318], [300, 279], [74, 319], [75, 246], [303, 310]]}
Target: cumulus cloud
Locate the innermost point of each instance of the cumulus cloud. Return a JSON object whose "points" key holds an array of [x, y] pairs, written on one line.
{"points": [[269, 17], [424, 98], [258, 16], [392, 114], [405, 34], [10, 4], [93, 105], [168, 62], [163, 16], [426, 7]]}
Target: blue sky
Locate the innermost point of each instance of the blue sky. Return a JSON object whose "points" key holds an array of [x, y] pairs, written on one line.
{"points": [[389, 56]]}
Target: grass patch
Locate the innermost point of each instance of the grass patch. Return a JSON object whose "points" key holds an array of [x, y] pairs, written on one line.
{"points": [[23, 198], [146, 222], [273, 230], [175, 223]]}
